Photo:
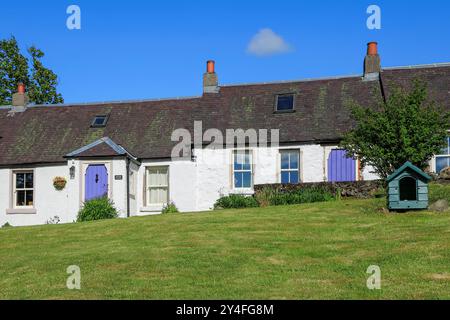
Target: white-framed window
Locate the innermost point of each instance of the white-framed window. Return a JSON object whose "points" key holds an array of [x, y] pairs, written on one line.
{"points": [[157, 185], [443, 159], [290, 166], [23, 189], [242, 169]]}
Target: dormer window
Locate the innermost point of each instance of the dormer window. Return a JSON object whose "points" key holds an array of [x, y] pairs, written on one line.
{"points": [[284, 103], [99, 122]]}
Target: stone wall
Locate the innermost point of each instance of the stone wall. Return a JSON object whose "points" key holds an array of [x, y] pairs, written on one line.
{"points": [[358, 189]]}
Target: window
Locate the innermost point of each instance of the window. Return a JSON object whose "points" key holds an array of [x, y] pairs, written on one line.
{"points": [[242, 170], [24, 189], [290, 166], [157, 186], [99, 121], [285, 102], [443, 160]]}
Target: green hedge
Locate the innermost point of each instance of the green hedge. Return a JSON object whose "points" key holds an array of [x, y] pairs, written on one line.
{"points": [[270, 196], [235, 201], [439, 192], [97, 209]]}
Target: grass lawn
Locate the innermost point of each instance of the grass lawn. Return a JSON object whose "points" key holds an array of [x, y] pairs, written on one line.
{"points": [[313, 251]]}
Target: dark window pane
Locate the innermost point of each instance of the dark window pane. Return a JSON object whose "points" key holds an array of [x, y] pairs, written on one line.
{"points": [[442, 163], [29, 198], [238, 180], [20, 198], [284, 160], [99, 121], [294, 177], [285, 102], [285, 177], [20, 180], [247, 180], [29, 180]]}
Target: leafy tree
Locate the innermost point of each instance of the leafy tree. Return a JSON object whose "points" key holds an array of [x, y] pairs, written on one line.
{"points": [[405, 127], [15, 68]]}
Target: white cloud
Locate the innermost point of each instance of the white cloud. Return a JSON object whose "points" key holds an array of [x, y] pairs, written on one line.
{"points": [[267, 43]]}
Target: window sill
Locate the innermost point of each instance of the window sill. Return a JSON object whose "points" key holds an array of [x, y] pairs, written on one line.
{"points": [[21, 211], [243, 192], [156, 208]]}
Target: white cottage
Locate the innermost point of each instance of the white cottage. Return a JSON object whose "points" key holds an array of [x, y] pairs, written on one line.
{"points": [[124, 149]]}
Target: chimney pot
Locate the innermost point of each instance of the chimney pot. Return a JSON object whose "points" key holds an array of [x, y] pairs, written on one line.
{"points": [[210, 79], [20, 99], [372, 62], [210, 66], [372, 48]]}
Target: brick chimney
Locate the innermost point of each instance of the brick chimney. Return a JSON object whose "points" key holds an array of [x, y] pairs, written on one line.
{"points": [[372, 62], [210, 79], [20, 98]]}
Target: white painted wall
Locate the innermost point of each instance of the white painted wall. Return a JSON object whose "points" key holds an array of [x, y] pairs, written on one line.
{"points": [[193, 185], [182, 186], [48, 201], [4, 195]]}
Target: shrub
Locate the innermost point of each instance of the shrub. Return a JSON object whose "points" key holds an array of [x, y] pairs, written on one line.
{"points": [[97, 209], [276, 197], [235, 201], [7, 225], [170, 208], [265, 195], [439, 192], [307, 195]]}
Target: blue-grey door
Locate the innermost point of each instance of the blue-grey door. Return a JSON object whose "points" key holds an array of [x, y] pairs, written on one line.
{"points": [[96, 182], [341, 168]]}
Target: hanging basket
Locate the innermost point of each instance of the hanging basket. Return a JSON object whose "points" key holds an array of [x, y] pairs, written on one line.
{"points": [[59, 183]]}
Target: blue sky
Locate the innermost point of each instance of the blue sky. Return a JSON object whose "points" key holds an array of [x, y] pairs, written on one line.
{"points": [[155, 49]]}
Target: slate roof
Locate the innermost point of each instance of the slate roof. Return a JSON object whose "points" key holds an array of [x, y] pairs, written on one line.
{"points": [[45, 134]]}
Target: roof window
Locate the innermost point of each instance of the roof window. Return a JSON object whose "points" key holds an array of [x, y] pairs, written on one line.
{"points": [[284, 103], [99, 122]]}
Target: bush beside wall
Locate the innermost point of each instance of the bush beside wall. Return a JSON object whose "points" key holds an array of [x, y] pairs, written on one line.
{"points": [[358, 189], [439, 192], [287, 194], [276, 197], [97, 209], [236, 201]]}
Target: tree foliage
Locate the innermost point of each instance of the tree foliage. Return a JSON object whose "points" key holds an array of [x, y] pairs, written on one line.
{"points": [[405, 127], [15, 67]]}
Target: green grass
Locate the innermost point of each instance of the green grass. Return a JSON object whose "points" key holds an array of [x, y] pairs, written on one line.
{"points": [[313, 251]]}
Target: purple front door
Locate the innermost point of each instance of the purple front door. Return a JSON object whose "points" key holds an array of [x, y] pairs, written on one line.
{"points": [[341, 168], [96, 182]]}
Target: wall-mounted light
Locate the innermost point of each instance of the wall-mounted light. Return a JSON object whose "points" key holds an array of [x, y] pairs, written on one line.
{"points": [[72, 172]]}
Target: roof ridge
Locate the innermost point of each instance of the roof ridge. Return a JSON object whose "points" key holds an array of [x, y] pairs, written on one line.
{"points": [[419, 66], [102, 103]]}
